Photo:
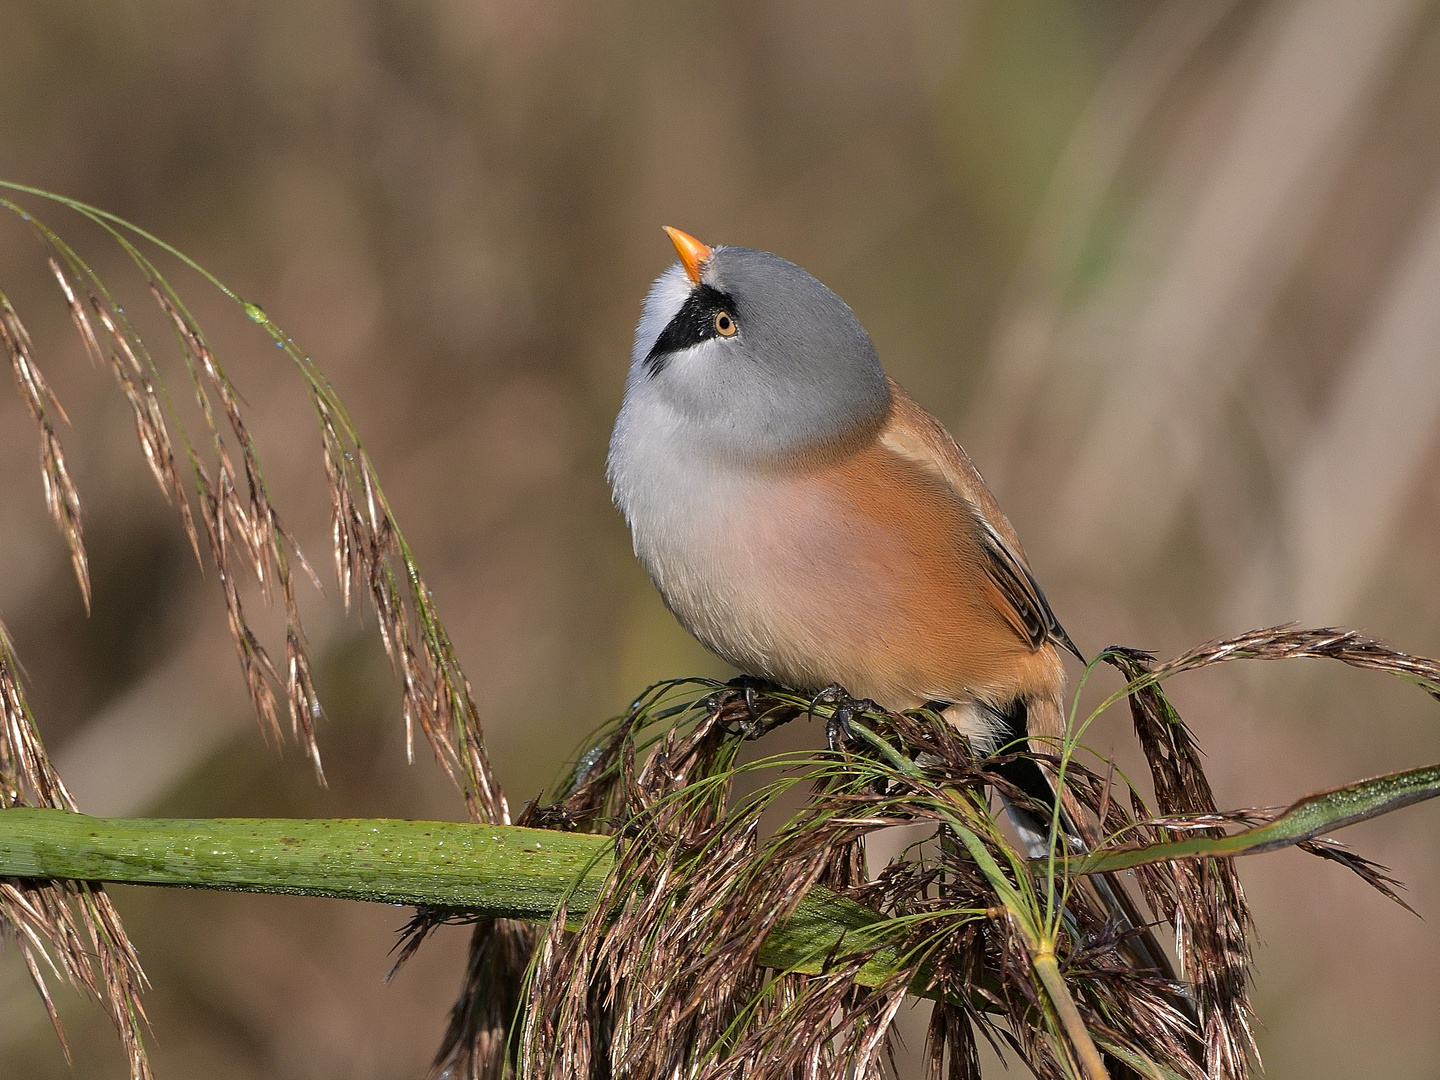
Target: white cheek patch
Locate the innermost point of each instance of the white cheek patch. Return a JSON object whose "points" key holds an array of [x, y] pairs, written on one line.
{"points": [[664, 301], [704, 383]]}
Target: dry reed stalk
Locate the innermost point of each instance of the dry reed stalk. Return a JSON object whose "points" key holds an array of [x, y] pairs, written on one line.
{"points": [[246, 536], [371, 554], [663, 974], [665, 965], [1324, 643], [1203, 901], [246, 541], [662, 978], [69, 927], [60, 495]]}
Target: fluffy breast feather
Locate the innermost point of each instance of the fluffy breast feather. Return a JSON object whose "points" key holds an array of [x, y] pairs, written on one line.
{"points": [[863, 568]]}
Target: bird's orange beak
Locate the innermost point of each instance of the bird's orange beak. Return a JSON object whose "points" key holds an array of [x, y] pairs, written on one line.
{"points": [[691, 251]]}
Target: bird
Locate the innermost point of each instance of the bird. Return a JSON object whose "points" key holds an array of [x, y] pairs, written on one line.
{"points": [[813, 525], [810, 523]]}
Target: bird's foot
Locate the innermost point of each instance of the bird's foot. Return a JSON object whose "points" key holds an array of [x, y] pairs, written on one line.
{"points": [[840, 728], [758, 720]]}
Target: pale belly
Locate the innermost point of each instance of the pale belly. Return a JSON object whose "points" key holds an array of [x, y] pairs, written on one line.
{"points": [[786, 579], [867, 570]]}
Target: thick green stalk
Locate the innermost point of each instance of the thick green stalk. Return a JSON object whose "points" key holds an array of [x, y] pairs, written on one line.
{"points": [[1048, 969], [489, 870], [503, 871]]}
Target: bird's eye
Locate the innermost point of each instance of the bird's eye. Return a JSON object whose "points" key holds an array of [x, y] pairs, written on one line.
{"points": [[725, 324]]}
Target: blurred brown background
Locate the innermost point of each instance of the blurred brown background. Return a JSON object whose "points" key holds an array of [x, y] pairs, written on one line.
{"points": [[1171, 271]]}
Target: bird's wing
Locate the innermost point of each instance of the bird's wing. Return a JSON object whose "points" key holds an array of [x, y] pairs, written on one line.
{"points": [[917, 436]]}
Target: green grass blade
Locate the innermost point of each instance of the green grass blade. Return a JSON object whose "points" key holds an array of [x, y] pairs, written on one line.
{"points": [[1312, 816]]}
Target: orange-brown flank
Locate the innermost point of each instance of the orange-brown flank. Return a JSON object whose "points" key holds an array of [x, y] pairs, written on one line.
{"points": [[913, 615]]}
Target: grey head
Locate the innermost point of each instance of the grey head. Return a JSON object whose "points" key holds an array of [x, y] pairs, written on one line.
{"points": [[755, 358]]}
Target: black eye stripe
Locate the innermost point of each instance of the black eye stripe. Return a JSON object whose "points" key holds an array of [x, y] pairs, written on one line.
{"points": [[692, 324]]}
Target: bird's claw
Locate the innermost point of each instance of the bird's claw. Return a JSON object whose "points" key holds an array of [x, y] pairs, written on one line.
{"points": [[840, 728], [760, 721]]}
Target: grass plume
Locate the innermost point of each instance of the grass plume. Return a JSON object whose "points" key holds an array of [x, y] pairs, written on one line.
{"points": [[663, 974], [246, 536], [69, 928], [246, 540]]}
